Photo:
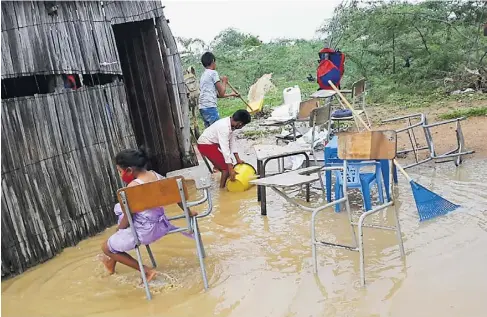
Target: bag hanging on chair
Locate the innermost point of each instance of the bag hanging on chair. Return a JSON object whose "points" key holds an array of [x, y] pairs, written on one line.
{"points": [[331, 67]]}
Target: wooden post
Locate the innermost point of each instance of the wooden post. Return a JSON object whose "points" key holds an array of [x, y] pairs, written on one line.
{"points": [[172, 71], [165, 35]]}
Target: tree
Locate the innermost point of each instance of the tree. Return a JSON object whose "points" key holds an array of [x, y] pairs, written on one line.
{"points": [[194, 46], [412, 43], [231, 39]]}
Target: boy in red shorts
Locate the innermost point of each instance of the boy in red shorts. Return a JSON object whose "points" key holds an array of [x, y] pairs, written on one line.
{"points": [[217, 143]]}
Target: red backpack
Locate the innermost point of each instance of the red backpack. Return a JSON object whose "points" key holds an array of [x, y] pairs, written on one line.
{"points": [[331, 67]]}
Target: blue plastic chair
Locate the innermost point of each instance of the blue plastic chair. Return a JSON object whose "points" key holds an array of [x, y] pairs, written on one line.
{"points": [[364, 181], [331, 157]]}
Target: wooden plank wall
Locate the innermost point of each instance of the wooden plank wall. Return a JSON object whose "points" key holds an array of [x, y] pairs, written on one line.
{"points": [[176, 86], [58, 176], [119, 12], [77, 40]]}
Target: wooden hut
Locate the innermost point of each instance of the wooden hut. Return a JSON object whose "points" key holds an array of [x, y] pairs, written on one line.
{"points": [[81, 80]]}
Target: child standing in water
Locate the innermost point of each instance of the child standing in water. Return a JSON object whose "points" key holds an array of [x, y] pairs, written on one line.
{"points": [[150, 225], [217, 143]]}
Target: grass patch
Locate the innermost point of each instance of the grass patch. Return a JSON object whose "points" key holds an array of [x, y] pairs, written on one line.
{"points": [[471, 112], [255, 134]]}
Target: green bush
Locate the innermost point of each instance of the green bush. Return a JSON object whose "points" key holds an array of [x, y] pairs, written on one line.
{"points": [[472, 112]]}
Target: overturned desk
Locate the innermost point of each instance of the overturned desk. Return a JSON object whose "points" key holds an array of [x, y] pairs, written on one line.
{"points": [[266, 153]]}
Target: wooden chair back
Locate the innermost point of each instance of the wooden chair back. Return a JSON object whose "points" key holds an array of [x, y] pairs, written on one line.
{"points": [[163, 192], [320, 116], [368, 145], [306, 107], [358, 88]]}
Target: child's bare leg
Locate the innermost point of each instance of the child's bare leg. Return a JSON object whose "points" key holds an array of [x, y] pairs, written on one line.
{"points": [[126, 259], [109, 263], [223, 179]]}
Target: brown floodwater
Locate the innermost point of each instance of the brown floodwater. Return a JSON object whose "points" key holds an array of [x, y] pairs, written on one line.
{"points": [[261, 266]]}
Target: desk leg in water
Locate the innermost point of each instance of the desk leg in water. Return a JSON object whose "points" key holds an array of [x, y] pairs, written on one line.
{"points": [[263, 198], [308, 185], [263, 205], [259, 172]]}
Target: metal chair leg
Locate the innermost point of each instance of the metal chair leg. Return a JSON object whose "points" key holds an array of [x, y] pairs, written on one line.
{"points": [[315, 259], [199, 237], [322, 184], [313, 243], [200, 251], [350, 220], [151, 256], [361, 248], [142, 272], [398, 231]]}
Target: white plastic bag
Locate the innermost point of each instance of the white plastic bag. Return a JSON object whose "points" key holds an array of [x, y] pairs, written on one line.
{"points": [[280, 112], [320, 136]]}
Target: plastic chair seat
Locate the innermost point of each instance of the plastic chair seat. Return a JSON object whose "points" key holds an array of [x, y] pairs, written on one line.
{"points": [[364, 182], [367, 177]]}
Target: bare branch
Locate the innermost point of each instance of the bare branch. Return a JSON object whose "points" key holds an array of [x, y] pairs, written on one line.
{"points": [[423, 40], [480, 61], [428, 17]]}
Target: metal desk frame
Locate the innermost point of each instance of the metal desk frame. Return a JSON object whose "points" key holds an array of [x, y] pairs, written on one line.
{"points": [[290, 122], [358, 244], [261, 166]]}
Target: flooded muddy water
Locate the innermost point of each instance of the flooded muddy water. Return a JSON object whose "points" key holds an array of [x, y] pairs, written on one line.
{"points": [[261, 266]]}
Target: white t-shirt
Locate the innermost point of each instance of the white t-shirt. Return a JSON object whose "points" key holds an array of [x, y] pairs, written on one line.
{"points": [[208, 91], [221, 133]]}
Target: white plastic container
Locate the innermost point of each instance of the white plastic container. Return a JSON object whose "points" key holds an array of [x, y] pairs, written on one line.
{"points": [[292, 98], [292, 95]]}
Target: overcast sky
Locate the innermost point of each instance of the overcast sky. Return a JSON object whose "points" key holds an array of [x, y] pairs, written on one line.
{"points": [[269, 19]]}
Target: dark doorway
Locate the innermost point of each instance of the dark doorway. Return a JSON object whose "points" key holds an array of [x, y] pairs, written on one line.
{"points": [[147, 94]]}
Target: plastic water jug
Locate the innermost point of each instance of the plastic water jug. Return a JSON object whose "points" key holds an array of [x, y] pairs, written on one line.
{"points": [[292, 98], [292, 95]]}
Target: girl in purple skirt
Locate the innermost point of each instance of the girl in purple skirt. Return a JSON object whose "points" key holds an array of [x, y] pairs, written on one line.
{"points": [[150, 225]]}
